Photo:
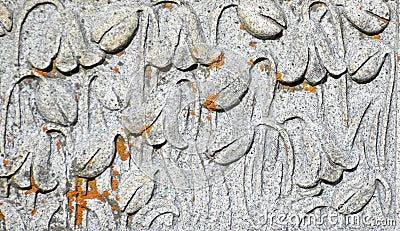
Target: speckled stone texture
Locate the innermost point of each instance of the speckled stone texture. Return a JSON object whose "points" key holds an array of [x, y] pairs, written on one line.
{"points": [[199, 115]]}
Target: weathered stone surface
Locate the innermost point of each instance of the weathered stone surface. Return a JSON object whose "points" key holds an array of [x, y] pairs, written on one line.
{"points": [[199, 115]]}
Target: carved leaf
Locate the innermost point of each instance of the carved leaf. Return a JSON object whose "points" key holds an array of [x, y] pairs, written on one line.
{"points": [[168, 37], [20, 130], [365, 60], [368, 16], [135, 191], [353, 195], [233, 151], [44, 176], [152, 210], [12, 217], [56, 102], [98, 153], [104, 213], [171, 114], [115, 33], [263, 20]]}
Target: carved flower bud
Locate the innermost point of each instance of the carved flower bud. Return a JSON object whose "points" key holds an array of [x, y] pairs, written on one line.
{"points": [[262, 20]]}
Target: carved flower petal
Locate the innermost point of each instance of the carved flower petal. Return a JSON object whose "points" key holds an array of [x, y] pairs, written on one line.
{"points": [[315, 71], [135, 191], [368, 16], [86, 56], [56, 102], [365, 60], [171, 112], [262, 20], [229, 79], [291, 55], [97, 155], [329, 47], [5, 17], [44, 27], [66, 61], [45, 178], [119, 36], [112, 91], [313, 152]]}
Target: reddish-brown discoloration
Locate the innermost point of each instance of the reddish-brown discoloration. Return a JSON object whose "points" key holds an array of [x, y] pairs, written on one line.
{"points": [[218, 62], [210, 102], [80, 197], [122, 149]]}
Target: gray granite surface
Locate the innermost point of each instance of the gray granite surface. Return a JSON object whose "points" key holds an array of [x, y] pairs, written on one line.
{"points": [[199, 115]]}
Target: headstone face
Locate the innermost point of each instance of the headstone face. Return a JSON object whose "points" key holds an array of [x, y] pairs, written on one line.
{"points": [[199, 115]]}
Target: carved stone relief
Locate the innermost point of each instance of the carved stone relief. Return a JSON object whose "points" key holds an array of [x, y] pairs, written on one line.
{"points": [[199, 115]]}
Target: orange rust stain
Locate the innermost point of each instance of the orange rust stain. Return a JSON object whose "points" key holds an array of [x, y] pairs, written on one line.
{"points": [[210, 102], [80, 197], [115, 172], [192, 113], [218, 62], [34, 187], [116, 69], [319, 4], [9, 140], [117, 198], [193, 198], [250, 62], [383, 20], [194, 88], [42, 73], [345, 120], [376, 36], [268, 69], [398, 58], [309, 88], [2, 217], [4, 100], [208, 118], [44, 129], [122, 149], [279, 77], [119, 54], [5, 162], [168, 5], [195, 50], [114, 184], [287, 148], [291, 88], [252, 44], [58, 144], [34, 212], [115, 208], [262, 68], [285, 87], [106, 193], [42, 201], [148, 72], [241, 27]]}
